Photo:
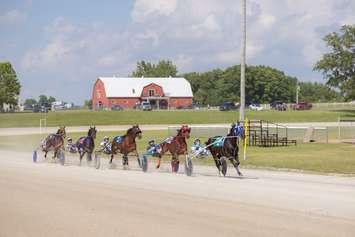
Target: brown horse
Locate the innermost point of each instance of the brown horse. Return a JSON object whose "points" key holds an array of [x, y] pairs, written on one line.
{"points": [[54, 142], [176, 146], [87, 144], [225, 147], [126, 144]]}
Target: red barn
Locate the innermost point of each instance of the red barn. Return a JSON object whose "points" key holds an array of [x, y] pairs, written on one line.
{"points": [[128, 92]]}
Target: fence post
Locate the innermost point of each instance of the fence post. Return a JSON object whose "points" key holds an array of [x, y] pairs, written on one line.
{"points": [[339, 129], [327, 134]]}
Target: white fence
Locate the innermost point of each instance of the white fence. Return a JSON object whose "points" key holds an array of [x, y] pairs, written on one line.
{"points": [[330, 106]]}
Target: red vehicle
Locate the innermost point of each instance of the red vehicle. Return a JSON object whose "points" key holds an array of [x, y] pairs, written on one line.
{"points": [[302, 106]]}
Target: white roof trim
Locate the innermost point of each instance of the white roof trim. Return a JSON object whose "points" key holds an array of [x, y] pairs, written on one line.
{"points": [[133, 86]]}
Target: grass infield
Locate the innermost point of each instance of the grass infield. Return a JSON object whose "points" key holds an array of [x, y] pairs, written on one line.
{"points": [[86, 117]]}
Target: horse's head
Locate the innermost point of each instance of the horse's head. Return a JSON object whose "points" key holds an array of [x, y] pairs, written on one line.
{"points": [[61, 131], [92, 132], [232, 130], [236, 130], [135, 131], [184, 131]]}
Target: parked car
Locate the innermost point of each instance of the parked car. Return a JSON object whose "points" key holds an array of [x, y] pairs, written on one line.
{"points": [[278, 105], [27, 107], [36, 108], [255, 106], [45, 107], [146, 106], [302, 106], [116, 107], [226, 106]]}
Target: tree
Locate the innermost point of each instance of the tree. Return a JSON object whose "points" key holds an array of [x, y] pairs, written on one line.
{"points": [[9, 85], [29, 102], [317, 92], [263, 85], [88, 104], [338, 66], [51, 99], [164, 68], [42, 99]]}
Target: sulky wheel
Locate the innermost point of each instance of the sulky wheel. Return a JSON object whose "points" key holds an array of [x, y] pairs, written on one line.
{"points": [[144, 163], [139, 160], [223, 165], [61, 157], [34, 156], [97, 161], [188, 165]]}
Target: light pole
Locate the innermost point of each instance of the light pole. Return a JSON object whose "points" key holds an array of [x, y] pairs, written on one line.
{"points": [[242, 63]]}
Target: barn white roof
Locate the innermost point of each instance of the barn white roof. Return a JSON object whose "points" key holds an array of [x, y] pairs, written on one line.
{"points": [[133, 86]]}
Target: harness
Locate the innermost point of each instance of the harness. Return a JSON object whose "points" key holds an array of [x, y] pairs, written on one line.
{"points": [[118, 139]]}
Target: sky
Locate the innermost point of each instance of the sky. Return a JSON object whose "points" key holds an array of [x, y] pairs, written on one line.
{"points": [[59, 48]]}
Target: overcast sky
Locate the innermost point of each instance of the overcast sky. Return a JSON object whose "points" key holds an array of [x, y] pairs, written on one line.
{"points": [[59, 48]]}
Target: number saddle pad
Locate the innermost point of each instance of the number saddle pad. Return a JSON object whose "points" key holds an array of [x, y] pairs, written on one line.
{"points": [[118, 139], [218, 141]]}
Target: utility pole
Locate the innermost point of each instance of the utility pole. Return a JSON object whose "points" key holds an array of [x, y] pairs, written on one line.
{"points": [[298, 88], [242, 63]]}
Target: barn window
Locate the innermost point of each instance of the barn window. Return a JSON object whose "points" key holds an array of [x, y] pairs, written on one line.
{"points": [[151, 92], [98, 94], [133, 91]]}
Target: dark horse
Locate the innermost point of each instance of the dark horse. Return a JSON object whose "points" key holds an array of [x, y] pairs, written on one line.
{"points": [[227, 147], [87, 144], [126, 144], [176, 146], [54, 142]]}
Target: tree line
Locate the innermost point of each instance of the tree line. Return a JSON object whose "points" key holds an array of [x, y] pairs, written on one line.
{"points": [[263, 84]]}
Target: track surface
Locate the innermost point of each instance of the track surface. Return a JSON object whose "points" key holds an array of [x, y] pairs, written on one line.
{"points": [[47, 199]]}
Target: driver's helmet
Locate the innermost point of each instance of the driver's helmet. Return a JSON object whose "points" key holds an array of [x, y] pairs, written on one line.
{"points": [[105, 139], [151, 142], [197, 141], [69, 139]]}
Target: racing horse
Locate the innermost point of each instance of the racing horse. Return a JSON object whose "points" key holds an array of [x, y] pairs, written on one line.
{"points": [[87, 144], [126, 144], [54, 142], [176, 146], [225, 147]]}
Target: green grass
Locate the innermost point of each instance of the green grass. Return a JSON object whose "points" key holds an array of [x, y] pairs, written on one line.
{"points": [[325, 158], [86, 117]]}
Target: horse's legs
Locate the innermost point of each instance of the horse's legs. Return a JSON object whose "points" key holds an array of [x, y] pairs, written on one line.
{"points": [[158, 162], [235, 162], [88, 157], [81, 154], [111, 158], [55, 153], [124, 160], [218, 163], [175, 163], [217, 160]]}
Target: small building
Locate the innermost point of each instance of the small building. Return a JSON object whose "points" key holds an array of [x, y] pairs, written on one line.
{"points": [[128, 92]]}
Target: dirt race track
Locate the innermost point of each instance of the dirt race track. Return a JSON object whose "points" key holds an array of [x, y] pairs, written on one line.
{"points": [[47, 199]]}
